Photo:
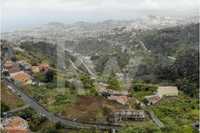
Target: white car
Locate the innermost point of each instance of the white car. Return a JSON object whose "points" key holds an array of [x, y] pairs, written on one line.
{"points": [[10, 87]]}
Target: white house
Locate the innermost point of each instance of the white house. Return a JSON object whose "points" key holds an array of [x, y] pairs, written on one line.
{"points": [[167, 91]]}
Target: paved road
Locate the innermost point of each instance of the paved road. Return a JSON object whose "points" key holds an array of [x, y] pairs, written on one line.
{"points": [[89, 71], [152, 115], [52, 117], [155, 119]]}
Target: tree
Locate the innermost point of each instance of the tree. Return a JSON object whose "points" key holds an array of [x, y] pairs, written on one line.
{"points": [[186, 70], [4, 108], [88, 84], [39, 76], [59, 125], [113, 82], [14, 59], [49, 76], [50, 130]]}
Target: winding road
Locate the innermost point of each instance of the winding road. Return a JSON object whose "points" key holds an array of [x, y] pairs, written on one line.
{"points": [[52, 117]]}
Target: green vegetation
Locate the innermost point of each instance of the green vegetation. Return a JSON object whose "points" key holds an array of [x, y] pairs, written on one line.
{"points": [[173, 60], [141, 89], [170, 40], [90, 131], [46, 77], [51, 97], [49, 76], [9, 99], [140, 130], [140, 127], [122, 58], [141, 86], [184, 72], [177, 113], [40, 49], [62, 99], [113, 82], [39, 76], [174, 57], [4, 108], [88, 84], [34, 120]]}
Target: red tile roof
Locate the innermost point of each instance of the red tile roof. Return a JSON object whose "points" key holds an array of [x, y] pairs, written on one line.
{"points": [[153, 99], [15, 125], [8, 64], [44, 67], [21, 76], [13, 69], [119, 99]]}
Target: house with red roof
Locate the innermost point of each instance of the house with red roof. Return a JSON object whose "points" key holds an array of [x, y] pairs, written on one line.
{"points": [[15, 125]]}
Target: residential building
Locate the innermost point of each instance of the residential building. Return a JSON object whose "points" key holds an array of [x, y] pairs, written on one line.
{"points": [[8, 64], [120, 99], [14, 69], [44, 67], [153, 99], [24, 65], [11, 67], [127, 114], [35, 69], [15, 125], [102, 89], [21, 77]]}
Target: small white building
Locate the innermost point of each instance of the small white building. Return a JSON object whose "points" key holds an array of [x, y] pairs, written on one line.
{"points": [[167, 91]]}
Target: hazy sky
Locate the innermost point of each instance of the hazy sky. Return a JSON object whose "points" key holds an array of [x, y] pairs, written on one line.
{"points": [[17, 14]]}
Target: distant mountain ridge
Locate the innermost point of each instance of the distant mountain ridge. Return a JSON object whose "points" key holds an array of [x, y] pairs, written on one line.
{"points": [[58, 31]]}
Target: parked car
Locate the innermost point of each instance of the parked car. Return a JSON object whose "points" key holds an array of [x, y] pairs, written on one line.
{"points": [[10, 87]]}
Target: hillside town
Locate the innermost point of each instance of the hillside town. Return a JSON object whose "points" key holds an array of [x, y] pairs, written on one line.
{"points": [[109, 66], [22, 73]]}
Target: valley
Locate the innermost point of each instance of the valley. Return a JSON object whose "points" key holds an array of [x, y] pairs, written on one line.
{"points": [[104, 77]]}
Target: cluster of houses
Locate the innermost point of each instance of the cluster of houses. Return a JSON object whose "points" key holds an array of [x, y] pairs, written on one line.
{"points": [[15, 124], [122, 97], [21, 71], [161, 92]]}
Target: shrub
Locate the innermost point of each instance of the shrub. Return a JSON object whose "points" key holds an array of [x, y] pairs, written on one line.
{"points": [[144, 87], [4, 108], [113, 82], [88, 84]]}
